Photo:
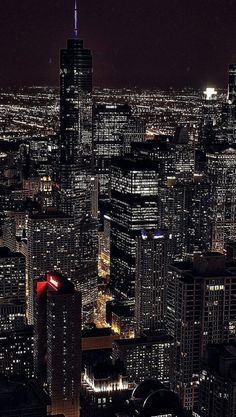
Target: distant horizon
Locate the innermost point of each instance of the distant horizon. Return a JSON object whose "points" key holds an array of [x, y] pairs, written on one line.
{"points": [[196, 89], [145, 44]]}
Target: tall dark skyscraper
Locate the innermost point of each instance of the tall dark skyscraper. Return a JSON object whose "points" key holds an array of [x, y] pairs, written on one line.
{"points": [[58, 342], [232, 84], [76, 126], [76, 159]]}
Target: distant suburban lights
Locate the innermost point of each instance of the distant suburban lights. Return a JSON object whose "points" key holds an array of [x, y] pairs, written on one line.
{"points": [[210, 93]]}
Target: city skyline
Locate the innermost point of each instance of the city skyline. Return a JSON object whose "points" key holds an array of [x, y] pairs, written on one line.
{"points": [[118, 219], [149, 44]]}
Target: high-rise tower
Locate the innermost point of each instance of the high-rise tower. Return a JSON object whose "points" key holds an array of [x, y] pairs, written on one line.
{"points": [[152, 260], [76, 159], [232, 84], [58, 342], [76, 125]]}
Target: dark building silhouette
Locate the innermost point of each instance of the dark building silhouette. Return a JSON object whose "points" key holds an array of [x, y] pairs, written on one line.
{"points": [[151, 398], [217, 394], [21, 398], [76, 162], [58, 342]]}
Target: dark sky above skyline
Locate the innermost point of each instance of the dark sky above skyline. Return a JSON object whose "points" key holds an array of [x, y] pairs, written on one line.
{"points": [[144, 43]]}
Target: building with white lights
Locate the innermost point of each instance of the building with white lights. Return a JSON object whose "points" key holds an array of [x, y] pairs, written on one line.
{"points": [[51, 244], [12, 290], [152, 260], [150, 356], [201, 305], [105, 388]]}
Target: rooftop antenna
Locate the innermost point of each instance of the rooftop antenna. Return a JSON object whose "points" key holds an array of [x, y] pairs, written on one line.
{"points": [[76, 20]]}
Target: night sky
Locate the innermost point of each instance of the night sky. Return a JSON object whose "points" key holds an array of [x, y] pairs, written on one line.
{"points": [[144, 43]]}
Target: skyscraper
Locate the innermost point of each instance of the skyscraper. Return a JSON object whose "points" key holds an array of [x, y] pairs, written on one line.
{"points": [[217, 396], [76, 161], [232, 84], [58, 342], [134, 204], [12, 290], [152, 261], [16, 352], [221, 168], [51, 244], [201, 306], [114, 129]]}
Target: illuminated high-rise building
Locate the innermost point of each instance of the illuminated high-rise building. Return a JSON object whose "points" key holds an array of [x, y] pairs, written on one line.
{"points": [[134, 206], [76, 162], [76, 128], [16, 352], [226, 132], [146, 357], [201, 303], [58, 342], [232, 84], [114, 129], [75, 144], [12, 290], [152, 261], [221, 167], [51, 244], [186, 211]]}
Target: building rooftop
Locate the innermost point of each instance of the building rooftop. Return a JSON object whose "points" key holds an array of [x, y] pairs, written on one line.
{"points": [[149, 338], [6, 253], [48, 215]]}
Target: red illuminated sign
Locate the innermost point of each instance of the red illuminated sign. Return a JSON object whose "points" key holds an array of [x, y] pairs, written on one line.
{"points": [[53, 280]]}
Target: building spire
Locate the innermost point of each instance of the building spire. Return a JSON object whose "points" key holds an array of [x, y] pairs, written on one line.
{"points": [[76, 20]]}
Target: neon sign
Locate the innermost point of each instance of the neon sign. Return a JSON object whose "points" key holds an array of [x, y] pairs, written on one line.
{"points": [[53, 281]]}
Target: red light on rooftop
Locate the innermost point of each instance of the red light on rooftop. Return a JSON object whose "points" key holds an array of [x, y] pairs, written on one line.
{"points": [[53, 281], [40, 287]]}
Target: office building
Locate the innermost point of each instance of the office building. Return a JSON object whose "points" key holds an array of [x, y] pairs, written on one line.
{"points": [[186, 210], [12, 290], [150, 356], [200, 310], [76, 163], [134, 206], [221, 163], [58, 342], [9, 233], [51, 244], [105, 388], [217, 393], [114, 129], [232, 84], [152, 261], [184, 154], [16, 352]]}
